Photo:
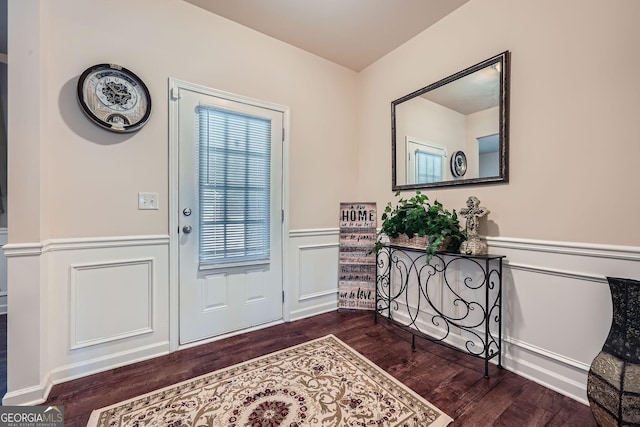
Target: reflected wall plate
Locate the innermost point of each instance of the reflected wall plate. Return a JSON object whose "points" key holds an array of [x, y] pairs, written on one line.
{"points": [[458, 164]]}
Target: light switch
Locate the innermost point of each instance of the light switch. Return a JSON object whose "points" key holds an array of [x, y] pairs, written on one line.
{"points": [[147, 200]]}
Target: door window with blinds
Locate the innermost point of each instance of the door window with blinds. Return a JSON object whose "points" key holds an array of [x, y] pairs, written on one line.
{"points": [[234, 178], [425, 162]]}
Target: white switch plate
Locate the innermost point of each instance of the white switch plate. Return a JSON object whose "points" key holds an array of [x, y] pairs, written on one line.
{"points": [[147, 200]]}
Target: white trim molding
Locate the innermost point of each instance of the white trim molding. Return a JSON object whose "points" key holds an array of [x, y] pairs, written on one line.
{"points": [[22, 249], [95, 304], [556, 272], [557, 307], [629, 253], [315, 232], [556, 304], [52, 245]]}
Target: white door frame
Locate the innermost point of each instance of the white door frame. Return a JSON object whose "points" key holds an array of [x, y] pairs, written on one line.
{"points": [[174, 245]]}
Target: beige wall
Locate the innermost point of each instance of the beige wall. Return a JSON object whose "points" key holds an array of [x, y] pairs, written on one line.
{"points": [[574, 110], [575, 126], [70, 178]]}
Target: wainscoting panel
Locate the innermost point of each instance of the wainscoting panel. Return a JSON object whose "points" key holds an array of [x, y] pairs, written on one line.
{"points": [[313, 270], [557, 307], [312, 284], [556, 304], [129, 277], [101, 303], [97, 288]]}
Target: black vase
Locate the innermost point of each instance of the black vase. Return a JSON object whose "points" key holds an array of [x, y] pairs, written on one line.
{"points": [[613, 385]]}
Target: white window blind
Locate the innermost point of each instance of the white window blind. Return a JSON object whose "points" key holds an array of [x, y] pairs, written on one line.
{"points": [[234, 179], [428, 167], [425, 161]]}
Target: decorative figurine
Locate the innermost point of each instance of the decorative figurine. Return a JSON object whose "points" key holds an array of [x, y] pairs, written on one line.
{"points": [[472, 213]]}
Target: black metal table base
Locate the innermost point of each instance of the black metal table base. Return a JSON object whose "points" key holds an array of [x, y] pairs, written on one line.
{"points": [[454, 300]]}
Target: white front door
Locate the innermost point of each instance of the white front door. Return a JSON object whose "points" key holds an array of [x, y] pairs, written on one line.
{"points": [[230, 214]]}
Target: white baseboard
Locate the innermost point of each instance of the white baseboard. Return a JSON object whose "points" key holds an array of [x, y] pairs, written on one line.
{"points": [[29, 396], [525, 360], [558, 377], [100, 364], [314, 310], [38, 394]]}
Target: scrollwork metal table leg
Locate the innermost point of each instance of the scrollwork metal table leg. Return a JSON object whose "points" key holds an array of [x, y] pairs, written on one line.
{"points": [[487, 318], [375, 309], [500, 314]]}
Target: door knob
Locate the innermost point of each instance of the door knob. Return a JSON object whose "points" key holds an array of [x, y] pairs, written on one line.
{"points": [[186, 229]]}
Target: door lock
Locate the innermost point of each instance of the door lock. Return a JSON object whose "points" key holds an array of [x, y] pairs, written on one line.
{"points": [[186, 229]]}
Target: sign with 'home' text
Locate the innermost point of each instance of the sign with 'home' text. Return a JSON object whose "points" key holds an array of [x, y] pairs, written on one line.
{"points": [[356, 266]]}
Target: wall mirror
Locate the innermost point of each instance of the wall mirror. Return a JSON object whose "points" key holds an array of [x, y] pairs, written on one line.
{"points": [[454, 131]]}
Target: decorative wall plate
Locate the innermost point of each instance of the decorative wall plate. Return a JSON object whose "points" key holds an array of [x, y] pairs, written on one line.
{"points": [[458, 164], [114, 98]]}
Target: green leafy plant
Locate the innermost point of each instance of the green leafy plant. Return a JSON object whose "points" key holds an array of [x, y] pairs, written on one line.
{"points": [[416, 216]]}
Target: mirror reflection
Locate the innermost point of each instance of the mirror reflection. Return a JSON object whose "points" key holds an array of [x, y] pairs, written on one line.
{"points": [[453, 131]]}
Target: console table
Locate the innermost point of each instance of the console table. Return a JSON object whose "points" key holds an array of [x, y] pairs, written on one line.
{"points": [[454, 300]]}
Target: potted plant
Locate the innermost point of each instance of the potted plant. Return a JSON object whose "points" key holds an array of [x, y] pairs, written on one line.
{"points": [[417, 217]]}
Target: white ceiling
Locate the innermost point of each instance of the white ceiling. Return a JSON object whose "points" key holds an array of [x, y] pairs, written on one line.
{"points": [[472, 93], [353, 33]]}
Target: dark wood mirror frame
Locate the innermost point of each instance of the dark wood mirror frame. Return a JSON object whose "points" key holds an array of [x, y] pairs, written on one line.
{"points": [[499, 63]]}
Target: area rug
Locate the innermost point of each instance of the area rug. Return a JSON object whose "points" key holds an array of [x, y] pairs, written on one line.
{"points": [[323, 382]]}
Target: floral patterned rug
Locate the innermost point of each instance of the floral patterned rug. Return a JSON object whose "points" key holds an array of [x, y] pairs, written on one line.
{"points": [[323, 382]]}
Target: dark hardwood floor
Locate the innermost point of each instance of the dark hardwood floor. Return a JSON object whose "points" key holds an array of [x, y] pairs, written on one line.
{"points": [[450, 380]]}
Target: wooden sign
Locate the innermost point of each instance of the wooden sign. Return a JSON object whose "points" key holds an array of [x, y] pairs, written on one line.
{"points": [[356, 266]]}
